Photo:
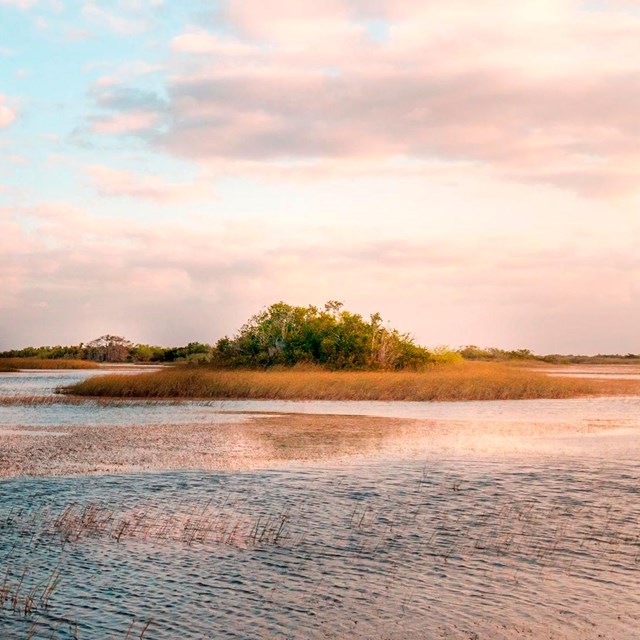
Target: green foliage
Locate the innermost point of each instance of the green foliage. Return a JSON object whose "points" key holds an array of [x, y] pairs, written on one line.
{"points": [[116, 349], [75, 352], [471, 352], [284, 335], [147, 353], [193, 352]]}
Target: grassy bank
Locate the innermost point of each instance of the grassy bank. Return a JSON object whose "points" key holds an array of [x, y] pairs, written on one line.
{"points": [[470, 381], [15, 364]]}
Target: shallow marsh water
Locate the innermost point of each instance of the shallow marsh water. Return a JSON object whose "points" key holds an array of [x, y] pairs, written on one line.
{"points": [[603, 371], [484, 520]]}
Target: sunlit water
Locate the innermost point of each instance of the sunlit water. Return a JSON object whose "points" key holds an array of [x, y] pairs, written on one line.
{"points": [[537, 546]]}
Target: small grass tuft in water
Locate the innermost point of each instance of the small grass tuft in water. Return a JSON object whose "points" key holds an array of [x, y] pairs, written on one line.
{"points": [[200, 524], [21, 601]]}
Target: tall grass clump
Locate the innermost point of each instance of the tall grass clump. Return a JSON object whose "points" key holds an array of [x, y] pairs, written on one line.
{"points": [[468, 381]]}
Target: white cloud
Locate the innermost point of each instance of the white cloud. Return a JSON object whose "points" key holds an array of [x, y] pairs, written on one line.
{"points": [[124, 25]]}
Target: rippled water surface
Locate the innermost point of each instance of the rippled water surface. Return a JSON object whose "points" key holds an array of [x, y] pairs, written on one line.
{"points": [[516, 546], [368, 551]]}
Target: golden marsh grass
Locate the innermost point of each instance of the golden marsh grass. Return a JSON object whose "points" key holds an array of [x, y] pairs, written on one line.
{"points": [[468, 381], [14, 364]]}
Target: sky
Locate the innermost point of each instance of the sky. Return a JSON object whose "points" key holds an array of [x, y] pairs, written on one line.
{"points": [[469, 170]]}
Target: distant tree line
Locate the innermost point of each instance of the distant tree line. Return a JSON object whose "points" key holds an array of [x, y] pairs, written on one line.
{"points": [[281, 335], [286, 335], [110, 348], [472, 352]]}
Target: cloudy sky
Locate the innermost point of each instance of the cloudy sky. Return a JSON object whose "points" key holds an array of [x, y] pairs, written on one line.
{"points": [[470, 170]]}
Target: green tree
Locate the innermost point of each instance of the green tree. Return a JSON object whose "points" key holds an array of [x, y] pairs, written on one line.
{"points": [[332, 337]]}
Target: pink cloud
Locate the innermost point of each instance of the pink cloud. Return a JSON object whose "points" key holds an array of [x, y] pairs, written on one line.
{"points": [[537, 91], [103, 275], [118, 182], [303, 23], [520, 126], [7, 114], [195, 42], [126, 123], [454, 138]]}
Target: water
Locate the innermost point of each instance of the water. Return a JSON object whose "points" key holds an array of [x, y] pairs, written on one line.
{"points": [[367, 551], [610, 372], [44, 382], [539, 540]]}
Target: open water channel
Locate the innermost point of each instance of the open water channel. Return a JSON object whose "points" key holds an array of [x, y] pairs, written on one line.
{"points": [[535, 536]]}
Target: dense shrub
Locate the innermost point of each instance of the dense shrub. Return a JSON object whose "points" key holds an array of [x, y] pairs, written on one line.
{"points": [[331, 337]]}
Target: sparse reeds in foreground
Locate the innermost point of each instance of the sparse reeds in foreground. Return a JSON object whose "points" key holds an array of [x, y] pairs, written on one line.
{"points": [[15, 364], [468, 381]]}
